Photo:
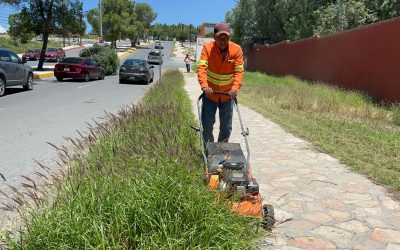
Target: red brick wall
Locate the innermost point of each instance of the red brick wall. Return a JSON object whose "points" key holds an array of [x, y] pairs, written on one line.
{"points": [[366, 59]]}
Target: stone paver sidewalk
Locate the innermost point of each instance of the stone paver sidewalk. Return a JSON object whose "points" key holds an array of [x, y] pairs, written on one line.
{"points": [[319, 203]]}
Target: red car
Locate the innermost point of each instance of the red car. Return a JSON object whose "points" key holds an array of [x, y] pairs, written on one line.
{"points": [[31, 54], [78, 68], [54, 54]]}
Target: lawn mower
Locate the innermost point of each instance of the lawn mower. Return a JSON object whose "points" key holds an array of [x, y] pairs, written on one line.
{"points": [[227, 169]]}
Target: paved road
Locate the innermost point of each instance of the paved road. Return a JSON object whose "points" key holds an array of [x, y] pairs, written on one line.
{"points": [[54, 110]]}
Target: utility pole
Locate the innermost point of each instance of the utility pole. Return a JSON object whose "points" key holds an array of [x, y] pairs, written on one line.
{"points": [[161, 55], [190, 39], [101, 21]]}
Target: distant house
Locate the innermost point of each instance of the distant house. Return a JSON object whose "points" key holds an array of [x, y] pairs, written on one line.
{"points": [[206, 28]]}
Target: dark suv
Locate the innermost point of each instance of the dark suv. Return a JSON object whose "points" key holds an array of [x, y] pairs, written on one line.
{"points": [[14, 71]]}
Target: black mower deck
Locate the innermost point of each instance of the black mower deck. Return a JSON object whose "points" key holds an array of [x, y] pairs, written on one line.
{"points": [[216, 152]]}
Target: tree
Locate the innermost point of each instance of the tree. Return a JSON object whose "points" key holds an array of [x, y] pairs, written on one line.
{"points": [[139, 25], [20, 26], [272, 21], [384, 9], [11, 2], [47, 17], [116, 19], [71, 20], [343, 15]]}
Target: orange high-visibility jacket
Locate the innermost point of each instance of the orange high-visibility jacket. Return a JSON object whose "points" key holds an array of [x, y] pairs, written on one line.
{"points": [[218, 74]]}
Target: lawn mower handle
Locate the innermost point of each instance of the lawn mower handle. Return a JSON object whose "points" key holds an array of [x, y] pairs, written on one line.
{"points": [[245, 132]]}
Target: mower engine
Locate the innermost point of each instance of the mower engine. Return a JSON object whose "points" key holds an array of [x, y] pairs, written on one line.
{"points": [[234, 180]]}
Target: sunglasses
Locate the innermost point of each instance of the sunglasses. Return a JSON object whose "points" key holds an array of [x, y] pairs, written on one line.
{"points": [[223, 38]]}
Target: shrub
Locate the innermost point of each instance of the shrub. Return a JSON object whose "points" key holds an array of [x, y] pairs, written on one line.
{"points": [[105, 56]]}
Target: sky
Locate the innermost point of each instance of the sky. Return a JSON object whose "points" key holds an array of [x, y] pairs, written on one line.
{"points": [[193, 12]]}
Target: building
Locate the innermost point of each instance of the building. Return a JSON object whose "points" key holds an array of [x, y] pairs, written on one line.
{"points": [[206, 28]]}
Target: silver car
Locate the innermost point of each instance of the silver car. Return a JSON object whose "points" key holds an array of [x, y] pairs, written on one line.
{"points": [[155, 56], [14, 72]]}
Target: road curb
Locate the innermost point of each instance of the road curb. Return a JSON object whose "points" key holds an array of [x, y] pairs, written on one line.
{"points": [[43, 75]]}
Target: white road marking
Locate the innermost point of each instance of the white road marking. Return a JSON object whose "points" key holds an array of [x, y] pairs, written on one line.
{"points": [[84, 86]]}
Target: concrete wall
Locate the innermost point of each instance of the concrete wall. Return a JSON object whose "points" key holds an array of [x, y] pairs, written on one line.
{"points": [[366, 59]]}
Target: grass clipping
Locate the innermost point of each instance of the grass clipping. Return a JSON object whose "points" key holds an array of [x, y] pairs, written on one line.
{"points": [[139, 186]]}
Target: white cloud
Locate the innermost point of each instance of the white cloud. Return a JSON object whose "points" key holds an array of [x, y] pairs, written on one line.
{"points": [[2, 30]]}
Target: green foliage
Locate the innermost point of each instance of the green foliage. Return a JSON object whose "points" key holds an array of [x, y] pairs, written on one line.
{"points": [[343, 15], [139, 26], [268, 22], [49, 17], [71, 19], [139, 186], [11, 2], [167, 32], [104, 55], [20, 26]]}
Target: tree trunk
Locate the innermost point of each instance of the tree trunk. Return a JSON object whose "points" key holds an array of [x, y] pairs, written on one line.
{"points": [[44, 47]]}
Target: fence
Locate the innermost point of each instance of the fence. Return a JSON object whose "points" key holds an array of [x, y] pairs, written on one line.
{"points": [[366, 59]]}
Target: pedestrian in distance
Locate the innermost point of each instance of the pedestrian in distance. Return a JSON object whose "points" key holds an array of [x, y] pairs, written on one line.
{"points": [[188, 60], [220, 68]]}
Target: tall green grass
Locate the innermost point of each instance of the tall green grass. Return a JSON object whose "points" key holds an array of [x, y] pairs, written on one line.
{"points": [[346, 124], [139, 186]]}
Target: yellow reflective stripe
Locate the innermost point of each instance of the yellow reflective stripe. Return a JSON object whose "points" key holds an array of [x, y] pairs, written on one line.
{"points": [[218, 76], [202, 63], [239, 68], [219, 82]]}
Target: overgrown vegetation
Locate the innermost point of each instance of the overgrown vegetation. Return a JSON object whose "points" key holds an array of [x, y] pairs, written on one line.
{"points": [[104, 55], [138, 187], [345, 124], [17, 47]]}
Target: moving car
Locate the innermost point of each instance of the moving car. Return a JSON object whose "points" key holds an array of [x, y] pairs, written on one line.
{"points": [[14, 72], [31, 54], [54, 54], [78, 68], [136, 70], [155, 57], [159, 45]]}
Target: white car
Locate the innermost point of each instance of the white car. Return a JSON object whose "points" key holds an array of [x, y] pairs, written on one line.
{"points": [[155, 57]]}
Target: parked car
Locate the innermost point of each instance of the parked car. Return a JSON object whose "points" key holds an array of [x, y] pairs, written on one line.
{"points": [[155, 57], [31, 54], [61, 51], [136, 70], [78, 68], [54, 54], [14, 71]]}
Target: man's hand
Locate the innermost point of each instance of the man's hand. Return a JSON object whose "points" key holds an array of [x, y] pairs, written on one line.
{"points": [[207, 91], [233, 93]]}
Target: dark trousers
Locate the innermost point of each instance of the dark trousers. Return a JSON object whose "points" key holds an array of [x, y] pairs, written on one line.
{"points": [[208, 111], [188, 67]]}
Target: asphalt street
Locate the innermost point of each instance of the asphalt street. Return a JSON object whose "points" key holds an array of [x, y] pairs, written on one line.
{"points": [[53, 110]]}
